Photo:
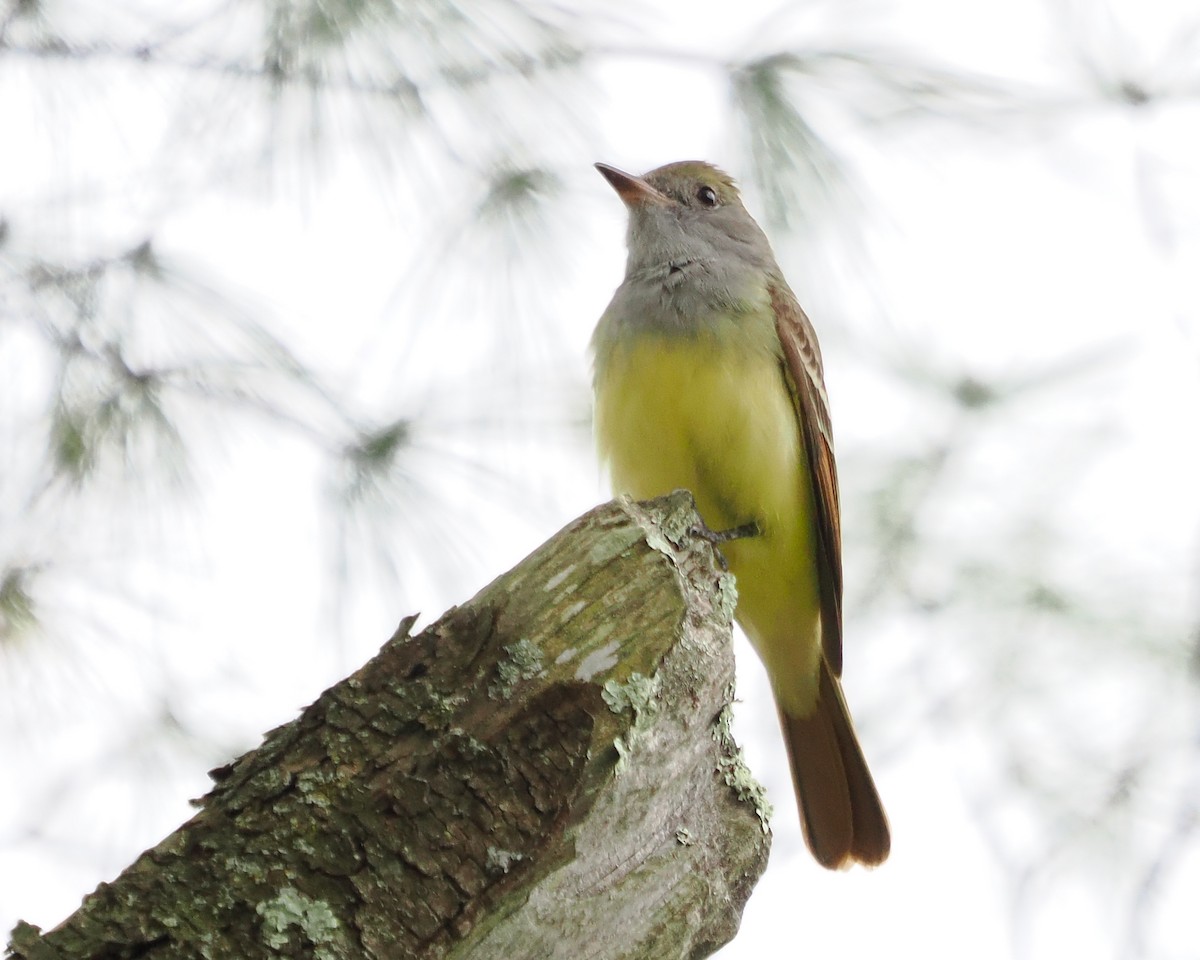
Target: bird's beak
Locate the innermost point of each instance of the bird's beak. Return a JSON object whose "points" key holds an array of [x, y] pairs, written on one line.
{"points": [[633, 191]]}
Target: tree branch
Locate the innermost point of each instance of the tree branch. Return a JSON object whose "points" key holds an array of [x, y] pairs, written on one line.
{"points": [[545, 772]]}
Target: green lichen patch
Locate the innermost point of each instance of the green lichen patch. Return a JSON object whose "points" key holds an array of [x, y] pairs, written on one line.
{"points": [[523, 661], [732, 766], [639, 694], [312, 919], [678, 521], [501, 861]]}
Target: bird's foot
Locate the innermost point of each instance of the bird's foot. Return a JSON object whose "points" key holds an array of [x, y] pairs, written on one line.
{"points": [[702, 531]]}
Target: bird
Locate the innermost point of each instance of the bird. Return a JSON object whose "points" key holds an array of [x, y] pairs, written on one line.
{"points": [[708, 377]]}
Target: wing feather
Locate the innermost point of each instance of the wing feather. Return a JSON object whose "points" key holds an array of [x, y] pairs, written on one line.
{"points": [[802, 365]]}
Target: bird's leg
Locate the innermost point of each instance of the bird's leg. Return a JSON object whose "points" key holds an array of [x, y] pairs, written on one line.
{"points": [[702, 531], [718, 537]]}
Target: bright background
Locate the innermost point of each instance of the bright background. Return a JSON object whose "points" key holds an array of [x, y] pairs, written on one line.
{"points": [[294, 306]]}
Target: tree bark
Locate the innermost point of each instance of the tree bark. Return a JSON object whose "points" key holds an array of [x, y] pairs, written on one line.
{"points": [[547, 771]]}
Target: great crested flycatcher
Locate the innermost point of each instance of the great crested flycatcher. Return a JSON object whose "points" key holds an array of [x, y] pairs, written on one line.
{"points": [[708, 377]]}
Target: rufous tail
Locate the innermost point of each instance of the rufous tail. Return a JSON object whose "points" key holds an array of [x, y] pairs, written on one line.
{"points": [[840, 810]]}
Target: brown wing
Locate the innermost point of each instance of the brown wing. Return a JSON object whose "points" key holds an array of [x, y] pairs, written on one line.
{"points": [[802, 361]]}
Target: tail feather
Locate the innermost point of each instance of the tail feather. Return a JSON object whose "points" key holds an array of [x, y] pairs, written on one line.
{"points": [[840, 809]]}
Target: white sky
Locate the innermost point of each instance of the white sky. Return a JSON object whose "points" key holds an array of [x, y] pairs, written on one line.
{"points": [[998, 253]]}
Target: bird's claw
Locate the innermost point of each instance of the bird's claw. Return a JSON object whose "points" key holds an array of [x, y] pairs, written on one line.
{"points": [[716, 538]]}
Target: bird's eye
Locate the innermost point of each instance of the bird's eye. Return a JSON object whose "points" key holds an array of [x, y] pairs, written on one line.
{"points": [[707, 196]]}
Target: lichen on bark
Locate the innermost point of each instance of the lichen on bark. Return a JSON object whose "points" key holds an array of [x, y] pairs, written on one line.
{"points": [[514, 781]]}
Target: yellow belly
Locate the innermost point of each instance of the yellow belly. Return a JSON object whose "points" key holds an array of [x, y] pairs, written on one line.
{"points": [[676, 412]]}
